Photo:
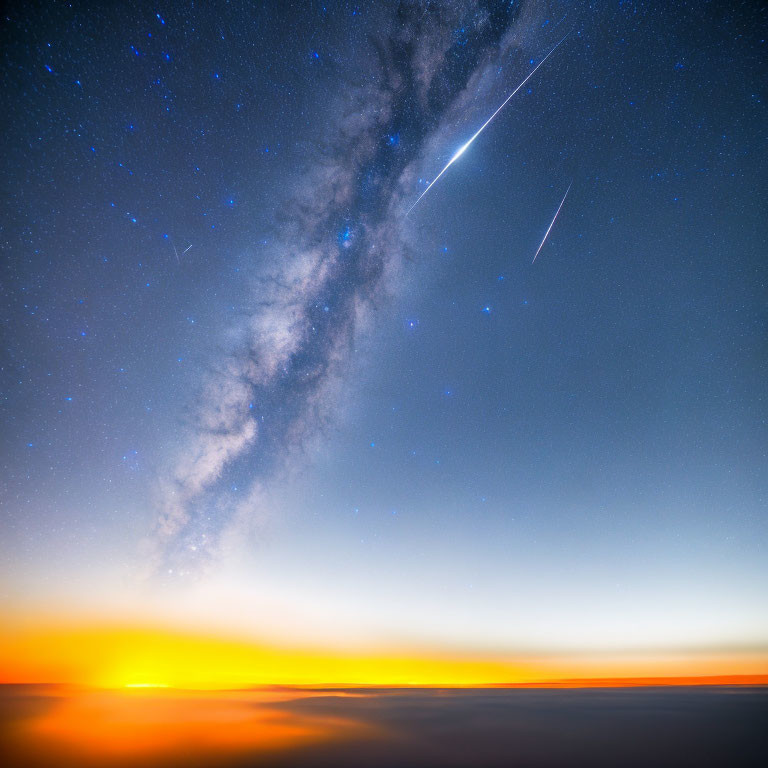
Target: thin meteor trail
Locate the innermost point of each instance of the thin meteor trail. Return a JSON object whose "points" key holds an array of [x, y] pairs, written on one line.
{"points": [[552, 224], [464, 147], [176, 252]]}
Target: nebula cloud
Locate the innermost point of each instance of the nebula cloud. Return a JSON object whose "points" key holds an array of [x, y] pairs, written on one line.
{"points": [[340, 252]]}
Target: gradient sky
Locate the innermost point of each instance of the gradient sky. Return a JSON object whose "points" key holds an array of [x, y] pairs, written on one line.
{"points": [[327, 422]]}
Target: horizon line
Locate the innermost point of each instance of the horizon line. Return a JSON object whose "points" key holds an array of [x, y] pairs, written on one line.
{"points": [[738, 680]]}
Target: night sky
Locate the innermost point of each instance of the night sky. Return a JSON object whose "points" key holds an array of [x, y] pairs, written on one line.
{"points": [[243, 386]]}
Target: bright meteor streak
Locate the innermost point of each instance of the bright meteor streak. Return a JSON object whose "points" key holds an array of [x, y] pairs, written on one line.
{"points": [[552, 224], [464, 147]]}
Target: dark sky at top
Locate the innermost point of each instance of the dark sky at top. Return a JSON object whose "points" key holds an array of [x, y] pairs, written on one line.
{"points": [[215, 311]]}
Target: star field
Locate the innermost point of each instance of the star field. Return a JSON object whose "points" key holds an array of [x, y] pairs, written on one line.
{"points": [[223, 339]]}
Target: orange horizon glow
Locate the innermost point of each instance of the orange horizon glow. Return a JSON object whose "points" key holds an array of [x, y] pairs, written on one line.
{"points": [[159, 727], [114, 657]]}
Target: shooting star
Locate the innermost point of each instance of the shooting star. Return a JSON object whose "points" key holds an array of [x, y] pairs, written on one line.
{"points": [[464, 147], [176, 251], [552, 223]]}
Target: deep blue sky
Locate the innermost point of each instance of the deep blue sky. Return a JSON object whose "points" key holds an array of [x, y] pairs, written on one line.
{"points": [[464, 447]]}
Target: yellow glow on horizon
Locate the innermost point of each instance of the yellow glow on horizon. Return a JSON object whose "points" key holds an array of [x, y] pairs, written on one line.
{"points": [[130, 657], [142, 657]]}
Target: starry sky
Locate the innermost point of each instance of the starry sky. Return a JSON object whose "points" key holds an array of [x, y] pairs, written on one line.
{"points": [[243, 387]]}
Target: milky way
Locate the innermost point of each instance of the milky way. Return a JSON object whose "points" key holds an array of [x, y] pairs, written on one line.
{"points": [[340, 244]]}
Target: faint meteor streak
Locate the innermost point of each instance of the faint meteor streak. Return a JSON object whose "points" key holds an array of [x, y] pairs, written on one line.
{"points": [[552, 223], [176, 252], [464, 147]]}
